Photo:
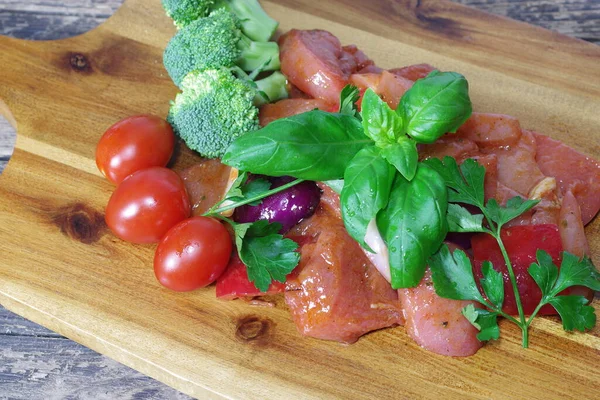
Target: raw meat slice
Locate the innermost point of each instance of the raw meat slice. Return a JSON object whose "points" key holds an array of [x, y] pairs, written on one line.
{"points": [[491, 130], [413, 72], [315, 62], [288, 107], [573, 171], [449, 145], [336, 293], [517, 167], [437, 324]]}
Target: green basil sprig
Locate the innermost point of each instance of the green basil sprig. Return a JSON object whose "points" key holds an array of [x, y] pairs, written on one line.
{"points": [[375, 151], [315, 145], [435, 105], [414, 224]]}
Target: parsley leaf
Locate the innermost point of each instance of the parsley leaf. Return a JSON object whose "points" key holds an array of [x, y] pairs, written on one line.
{"points": [[544, 272], [485, 321], [465, 184], [461, 220], [452, 275], [348, 98], [574, 312], [574, 272], [514, 207], [255, 188], [267, 255], [493, 284]]}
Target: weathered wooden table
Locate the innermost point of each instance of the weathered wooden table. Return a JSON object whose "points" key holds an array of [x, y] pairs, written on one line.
{"points": [[36, 363]]}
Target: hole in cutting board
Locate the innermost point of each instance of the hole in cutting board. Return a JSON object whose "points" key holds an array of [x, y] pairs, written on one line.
{"points": [[8, 136]]}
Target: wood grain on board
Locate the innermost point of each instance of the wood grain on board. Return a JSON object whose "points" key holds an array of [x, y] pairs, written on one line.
{"points": [[63, 270]]}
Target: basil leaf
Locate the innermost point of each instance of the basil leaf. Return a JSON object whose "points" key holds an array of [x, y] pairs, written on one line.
{"points": [[485, 321], [367, 183], [379, 121], [348, 98], [414, 224], [336, 185], [574, 312], [315, 145], [452, 275], [435, 105], [404, 156], [493, 284]]}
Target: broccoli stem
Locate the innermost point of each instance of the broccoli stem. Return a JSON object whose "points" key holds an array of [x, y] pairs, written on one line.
{"points": [[274, 87], [262, 56], [256, 24]]}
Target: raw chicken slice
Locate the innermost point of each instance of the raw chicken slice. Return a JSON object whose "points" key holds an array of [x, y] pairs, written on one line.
{"points": [[573, 171], [517, 167], [491, 130], [315, 62], [413, 72], [288, 107], [335, 293], [437, 324]]}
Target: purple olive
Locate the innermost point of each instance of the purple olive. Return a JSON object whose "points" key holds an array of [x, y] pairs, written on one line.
{"points": [[288, 207]]}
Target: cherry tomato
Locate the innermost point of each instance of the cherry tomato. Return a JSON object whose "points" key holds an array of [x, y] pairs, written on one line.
{"points": [[147, 204], [193, 254], [135, 143]]}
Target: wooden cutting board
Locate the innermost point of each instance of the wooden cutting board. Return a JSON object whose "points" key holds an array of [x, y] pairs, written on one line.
{"points": [[63, 269]]}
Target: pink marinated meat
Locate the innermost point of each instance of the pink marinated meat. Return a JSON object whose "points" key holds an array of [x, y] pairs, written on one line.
{"points": [[288, 107], [413, 72], [573, 171], [570, 227], [491, 130], [392, 88], [449, 145], [437, 324], [336, 293], [315, 62], [517, 167]]}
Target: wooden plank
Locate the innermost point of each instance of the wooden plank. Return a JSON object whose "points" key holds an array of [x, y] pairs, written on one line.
{"points": [[57, 368], [252, 360]]}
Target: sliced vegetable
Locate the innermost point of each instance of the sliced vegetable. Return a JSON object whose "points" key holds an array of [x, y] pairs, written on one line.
{"points": [[234, 282], [288, 207]]}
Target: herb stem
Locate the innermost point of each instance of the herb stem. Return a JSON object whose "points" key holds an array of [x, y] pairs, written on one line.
{"points": [[214, 212], [513, 281]]}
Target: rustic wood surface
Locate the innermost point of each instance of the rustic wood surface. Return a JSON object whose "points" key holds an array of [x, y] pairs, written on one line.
{"points": [[37, 363]]}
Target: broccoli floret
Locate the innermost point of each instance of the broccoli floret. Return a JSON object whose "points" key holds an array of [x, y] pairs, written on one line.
{"points": [[185, 11], [255, 22], [214, 42], [214, 108]]}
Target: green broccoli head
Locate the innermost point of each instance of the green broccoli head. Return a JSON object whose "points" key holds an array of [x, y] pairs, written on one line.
{"points": [[184, 12], [255, 23], [213, 109], [214, 42]]}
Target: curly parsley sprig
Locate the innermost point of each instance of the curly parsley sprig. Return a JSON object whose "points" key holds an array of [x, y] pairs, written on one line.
{"points": [[453, 273], [267, 254]]}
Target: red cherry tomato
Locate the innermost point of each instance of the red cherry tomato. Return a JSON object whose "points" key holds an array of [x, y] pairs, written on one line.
{"points": [[193, 254], [133, 144], [147, 204]]}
